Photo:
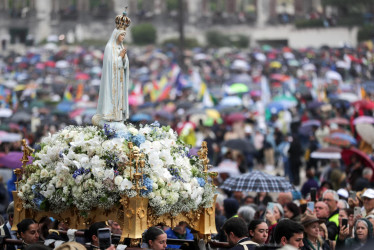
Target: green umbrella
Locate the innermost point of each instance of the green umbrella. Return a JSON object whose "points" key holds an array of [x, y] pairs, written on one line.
{"points": [[238, 88], [287, 100]]}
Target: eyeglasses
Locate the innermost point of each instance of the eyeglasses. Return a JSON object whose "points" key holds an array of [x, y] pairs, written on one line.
{"points": [[327, 199]]}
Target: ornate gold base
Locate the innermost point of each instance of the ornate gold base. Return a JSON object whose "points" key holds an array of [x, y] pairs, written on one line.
{"points": [[133, 214]]}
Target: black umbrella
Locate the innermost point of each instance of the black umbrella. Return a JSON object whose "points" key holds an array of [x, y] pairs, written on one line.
{"points": [[20, 116], [241, 145]]}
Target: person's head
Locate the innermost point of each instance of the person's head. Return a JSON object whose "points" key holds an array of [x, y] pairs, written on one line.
{"points": [[367, 173], [323, 233], [309, 173], [155, 238], [342, 204], [288, 232], [331, 198], [258, 231], [45, 223], [121, 36], [311, 225], [91, 233], [278, 211], [284, 198], [291, 210], [71, 246], [248, 200], [368, 199], [334, 163], [322, 210], [10, 212], [363, 230], [115, 228], [235, 229], [27, 230], [247, 213], [230, 206]]}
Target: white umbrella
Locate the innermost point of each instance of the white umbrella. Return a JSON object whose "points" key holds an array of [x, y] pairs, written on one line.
{"points": [[333, 75], [366, 131], [4, 112], [288, 55], [261, 57], [240, 65], [350, 97], [62, 64], [10, 137], [309, 67], [342, 64]]}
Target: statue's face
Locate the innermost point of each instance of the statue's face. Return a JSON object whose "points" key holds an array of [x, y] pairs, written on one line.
{"points": [[121, 37]]}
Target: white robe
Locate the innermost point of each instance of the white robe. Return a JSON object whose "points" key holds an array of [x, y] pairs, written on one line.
{"points": [[113, 97]]}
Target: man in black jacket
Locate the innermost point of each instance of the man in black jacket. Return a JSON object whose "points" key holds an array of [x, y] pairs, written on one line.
{"points": [[5, 230], [236, 231]]}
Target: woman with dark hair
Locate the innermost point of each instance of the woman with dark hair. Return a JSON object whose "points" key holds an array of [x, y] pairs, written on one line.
{"points": [[155, 238], [258, 231], [27, 231], [292, 211]]}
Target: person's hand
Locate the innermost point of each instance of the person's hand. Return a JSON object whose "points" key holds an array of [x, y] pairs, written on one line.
{"points": [[353, 202], [112, 247], [343, 233], [308, 211]]}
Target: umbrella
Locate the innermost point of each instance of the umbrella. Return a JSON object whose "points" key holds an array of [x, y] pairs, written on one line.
{"points": [[240, 78], [231, 101], [369, 87], [364, 104], [50, 64], [366, 132], [257, 181], [9, 137], [287, 100], [65, 106], [235, 117], [12, 160], [365, 160], [62, 64], [240, 65], [363, 119], [350, 97], [338, 120], [306, 127], [275, 107], [315, 104], [20, 116], [241, 145], [327, 153], [336, 141], [237, 88], [275, 65], [140, 117], [82, 76], [5, 112], [344, 137], [333, 75]]}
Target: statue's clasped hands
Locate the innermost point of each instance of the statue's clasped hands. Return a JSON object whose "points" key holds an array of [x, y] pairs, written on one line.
{"points": [[123, 53]]}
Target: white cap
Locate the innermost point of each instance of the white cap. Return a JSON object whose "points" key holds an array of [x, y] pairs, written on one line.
{"points": [[369, 193], [343, 193]]}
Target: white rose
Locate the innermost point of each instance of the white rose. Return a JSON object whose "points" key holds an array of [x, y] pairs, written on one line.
{"points": [[133, 131], [118, 180]]}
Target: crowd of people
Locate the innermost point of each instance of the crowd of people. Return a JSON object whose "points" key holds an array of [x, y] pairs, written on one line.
{"points": [[275, 109]]}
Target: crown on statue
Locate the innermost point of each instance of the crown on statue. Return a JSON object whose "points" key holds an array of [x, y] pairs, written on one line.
{"points": [[123, 21]]}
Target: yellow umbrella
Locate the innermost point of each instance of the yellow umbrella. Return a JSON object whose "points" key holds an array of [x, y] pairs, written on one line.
{"points": [[213, 113], [20, 87], [275, 64]]}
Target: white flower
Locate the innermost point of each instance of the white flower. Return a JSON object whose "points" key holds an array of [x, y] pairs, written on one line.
{"points": [[118, 180], [125, 184], [133, 131], [43, 173], [109, 174]]}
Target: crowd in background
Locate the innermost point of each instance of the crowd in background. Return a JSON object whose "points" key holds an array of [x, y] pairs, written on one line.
{"points": [[281, 110]]}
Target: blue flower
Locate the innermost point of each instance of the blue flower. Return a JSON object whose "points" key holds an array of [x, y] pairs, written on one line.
{"points": [[155, 124], [201, 181], [138, 139], [148, 183], [109, 132]]}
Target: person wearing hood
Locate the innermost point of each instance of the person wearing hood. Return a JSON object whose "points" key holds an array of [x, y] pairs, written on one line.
{"points": [[363, 236]]}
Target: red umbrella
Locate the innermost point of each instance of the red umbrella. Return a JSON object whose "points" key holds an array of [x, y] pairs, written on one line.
{"points": [[335, 141], [338, 120], [235, 117], [50, 64], [364, 104], [365, 160], [82, 76]]}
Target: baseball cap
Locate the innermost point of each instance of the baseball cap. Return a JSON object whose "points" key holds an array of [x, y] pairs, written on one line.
{"points": [[343, 193], [369, 193]]}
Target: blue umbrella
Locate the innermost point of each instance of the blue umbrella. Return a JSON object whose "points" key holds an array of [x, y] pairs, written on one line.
{"points": [[307, 126], [65, 106], [231, 101], [344, 137], [141, 117], [275, 107]]}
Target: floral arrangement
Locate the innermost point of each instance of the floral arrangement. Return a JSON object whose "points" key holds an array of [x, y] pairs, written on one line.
{"points": [[84, 167]]}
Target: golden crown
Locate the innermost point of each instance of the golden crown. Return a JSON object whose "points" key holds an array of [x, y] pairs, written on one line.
{"points": [[123, 21]]}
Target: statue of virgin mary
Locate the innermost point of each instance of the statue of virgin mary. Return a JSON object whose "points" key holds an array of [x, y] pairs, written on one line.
{"points": [[113, 96]]}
